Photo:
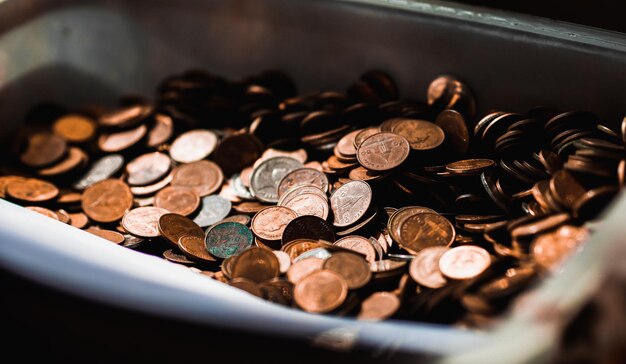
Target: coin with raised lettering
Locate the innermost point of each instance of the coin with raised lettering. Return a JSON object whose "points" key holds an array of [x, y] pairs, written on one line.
{"points": [[421, 134], [383, 151], [350, 202], [302, 176], [358, 244], [424, 230], [270, 223]]}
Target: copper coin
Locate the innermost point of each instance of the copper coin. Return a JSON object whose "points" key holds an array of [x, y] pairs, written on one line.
{"points": [[379, 306], [421, 134], [43, 150], [299, 154], [68, 198], [214, 208], [320, 292], [308, 227], [455, 129], [5, 180], [424, 267], [102, 169], [118, 141], [469, 166], [161, 132], [148, 168], [550, 249], [110, 235], [227, 239], [397, 218], [383, 151], [296, 247], [545, 224], [63, 216], [193, 145], [31, 190], [358, 244], [593, 202], [43, 211], [242, 219], [257, 264], [173, 226], [300, 190], [227, 265], [174, 257], [143, 191], [204, 177], [74, 128], [350, 202], [284, 260], [182, 201], [246, 285], [75, 158], [300, 177], [249, 207], [237, 151], [79, 220], [125, 116], [363, 134], [303, 268], [423, 230], [143, 221], [345, 146], [308, 204], [267, 176], [107, 201], [565, 189], [464, 262], [353, 268], [193, 246], [361, 173], [270, 223]]}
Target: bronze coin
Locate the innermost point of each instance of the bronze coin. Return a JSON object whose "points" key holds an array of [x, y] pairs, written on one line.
{"points": [[464, 262], [237, 151], [337, 165], [550, 249], [227, 239], [204, 177], [469, 167], [296, 247], [379, 306], [424, 230], [79, 220], [182, 201], [353, 268], [284, 260], [227, 265], [383, 151], [299, 154], [143, 221], [43, 211], [125, 116], [455, 129], [256, 264], [320, 292], [174, 257], [350, 202], [31, 190], [345, 145], [43, 150], [5, 180], [308, 204], [308, 227], [565, 188], [74, 128], [537, 227], [193, 145], [242, 219], [593, 202], [148, 168], [358, 244], [246, 285], [269, 223], [300, 177], [300, 190], [75, 158], [249, 207], [110, 235], [107, 201], [141, 191], [303, 268], [161, 132], [397, 218], [424, 267], [193, 246], [421, 134], [119, 141], [63, 216], [363, 134], [173, 226], [267, 176], [361, 173], [68, 198]]}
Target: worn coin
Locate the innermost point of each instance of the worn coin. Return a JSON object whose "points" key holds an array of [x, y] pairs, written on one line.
{"points": [[100, 170], [267, 176], [204, 177], [143, 221], [173, 226], [178, 200], [464, 262], [193, 145], [237, 151], [353, 268], [107, 201], [227, 239], [350, 202], [214, 208], [383, 151], [269, 223], [421, 134], [424, 230], [193, 246], [257, 264], [424, 267], [148, 168], [321, 291]]}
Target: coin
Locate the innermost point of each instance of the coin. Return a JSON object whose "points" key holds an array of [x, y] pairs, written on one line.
{"points": [[193, 145], [267, 176], [102, 169], [74, 159], [43, 211], [193, 246], [464, 262], [79, 220], [424, 267], [247, 285], [107, 201], [174, 257], [421, 134], [125, 116], [227, 239], [143, 221], [74, 128], [237, 151], [379, 306], [214, 208], [321, 291], [31, 190], [148, 168], [383, 151], [363, 134], [350, 202], [302, 176], [110, 235], [142, 191], [204, 177], [256, 264], [43, 150], [353, 268], [552, 248], [358, 244], [284, 261], [303, 268], [455, 130], [308, 204], [270, 223], [173, 226], [345, 146], [177, 200], [119, 141], [565, 188], [424, 230], [469, 166], [161, 132], [308, 227]]}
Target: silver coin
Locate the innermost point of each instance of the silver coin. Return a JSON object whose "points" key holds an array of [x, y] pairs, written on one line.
{"points": [[102, 169], [214, 208], [267, 176], [238, 188], [313, 253]]}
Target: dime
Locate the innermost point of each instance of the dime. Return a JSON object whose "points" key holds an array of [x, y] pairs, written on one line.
{"points": [[308, 227], [227, 239], [102, 169], [421, 134], [107, 201], [110, 235], [256, 264], [358, 244], [270, 223], [303, 268], [383, 151], [214, 208], [464, 262], [204, 177], [353, 268], [379, 306], [143, 221], [119, 141], [148, 168], [193, 146], [31, 190], [193, 246], [173, 226], [321, 291], [424, 230], [182, 201], [424, 267], [300, 177], [74, 128], [350, 202], [43, 150], [267, 176]]}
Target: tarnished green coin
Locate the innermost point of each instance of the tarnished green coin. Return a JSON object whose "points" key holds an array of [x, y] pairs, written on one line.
{"points": [[227, 239]]}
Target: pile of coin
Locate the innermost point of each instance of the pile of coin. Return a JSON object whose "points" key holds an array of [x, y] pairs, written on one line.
{"points": [[355, 203]]}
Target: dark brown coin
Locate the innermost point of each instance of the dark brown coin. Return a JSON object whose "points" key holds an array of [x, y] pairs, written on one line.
{"points": [[300, 177], [593, 202], [565, 189], [237, 151], [148, 168], [174, 226], [75, 158], [178, 200], [43, 211], [31, 190], [107, 201], [246, 285], [350, 202], [353, 268], [543, 225], [464, 262], [143, 221], [269, 223], [110, 235], [455, 129], [194, 248], [308, 227], [175, 257], [204, 177], [321, 291], [469, 166], [256, 264], [424, 230], [75, 128], [227, 239], [383, 151], [119, 141], [193, 146], [43, 150], [421, 134]]}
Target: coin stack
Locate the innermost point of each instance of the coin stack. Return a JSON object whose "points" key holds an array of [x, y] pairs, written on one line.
{"points": [[355, 203]]}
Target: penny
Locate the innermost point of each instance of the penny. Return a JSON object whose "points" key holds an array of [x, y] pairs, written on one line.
{"points": [[63, 216], [124, 116], [247, 285], [31, 190], [102, 169], [68, 198], [174, 257], [363, 174], [308, 227], [79, 220], [161, 132], [143, 221], [303, 268], [204, 177], [308, 204], [267, 176], [565, 188], [249, 207], [363, 134], [353, 268], [358, 244], [300, 177], [110, 235], [345, 145], [551, 249], [421, 134], [119, 141], [214, 208], [74, 128], [256, 264], [107, 201], [237, 151], [383, 151], [296, 247], [172, 227], [455, 130], [227, 266], [177, 200], [43, 150], [321, 291], [593, 202], [269, 223], [43, 211], [75, 158], [140, 191], [469, 166], [5, 180], [350, 202], [193, 246], [464, 262], [284, 261], [299, 154], [424, 267], [193, 146], [242, 219], [424, 230], [227, 239], [301, 190], [379, 306], [148, 168]]}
